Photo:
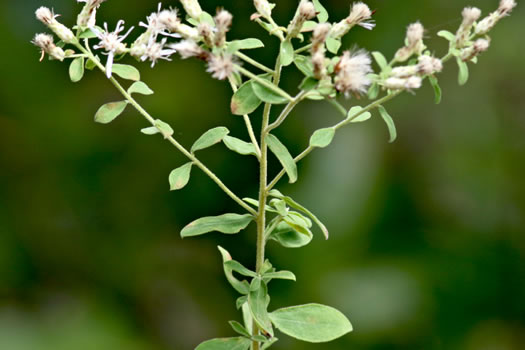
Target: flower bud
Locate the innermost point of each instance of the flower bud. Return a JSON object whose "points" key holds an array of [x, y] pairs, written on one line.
{"points": [[188, 48], [187, 32], [360, 15], [506, 6], [429, 65], [223, 22], [46, 44], [413, 82], [319, 63], [319, 36], [404, 71], [479, 46], [470, 15], [414, 43], [192, 8], [487, 23], [305, 11], [87, 17], [206, 32], [169, 19], [47, 17], [264, 8]]}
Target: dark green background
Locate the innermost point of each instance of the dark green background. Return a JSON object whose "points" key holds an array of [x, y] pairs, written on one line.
{"points": [[427, 241]]}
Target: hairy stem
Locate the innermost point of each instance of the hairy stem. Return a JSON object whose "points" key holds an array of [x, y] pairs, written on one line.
{"points": [[174, 142], [286, 111], [253, 62]]}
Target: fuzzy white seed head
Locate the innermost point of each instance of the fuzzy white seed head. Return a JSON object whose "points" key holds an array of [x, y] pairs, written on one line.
{"points": [[360, 14], [429, 65], [187, 49], [192, 8], [481, 45], [206, 32], [45, 15], [413, 82], [506, 6], [352, 73], [470, 15], [221, 66], [169, 19], [404, 71], [223, 22], [415, 33], [307, 10], [46, 44], [264, 8], [319, 37]]}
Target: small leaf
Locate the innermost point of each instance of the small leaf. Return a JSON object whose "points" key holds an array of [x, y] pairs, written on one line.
{"points": [[152, 130], [309, 26], [380, 59], [361, 118], [373, 91], [164, 128], [245, 44], [304, 64], [284, 156], [447, 35], [267, 95], [240, 301], [179, 177], [90, 64], [322, 137], [241, 287], [210, 138], [463, 72], [308, 84], [76, 69], [312, 323], [89, 34], [244, 100], [287, 53], [227, 223], [247, 316], [322, 12], [139, 87], [389, 122], [333, 45], [288, 237], [239, 268], [239, 328], [269, 343], [239, 343], [283, 275], [437, 89], [108, 112], [126, 71], [258, 301], [239, 146]]}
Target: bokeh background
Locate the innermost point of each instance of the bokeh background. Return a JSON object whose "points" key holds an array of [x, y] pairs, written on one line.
{"points": [[427, 247]]}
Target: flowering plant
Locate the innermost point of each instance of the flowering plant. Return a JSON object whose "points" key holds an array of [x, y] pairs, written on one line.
{"points": [[328, 75]]}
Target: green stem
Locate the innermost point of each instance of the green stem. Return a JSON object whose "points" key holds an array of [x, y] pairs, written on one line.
{"points": [[286, 111], [338, 106], [174, 142], [253, 62], [346, 121], [265, 83], [304, 48]]}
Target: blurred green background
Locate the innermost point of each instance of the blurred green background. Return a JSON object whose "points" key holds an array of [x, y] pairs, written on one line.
{"points": [[427, 247]]}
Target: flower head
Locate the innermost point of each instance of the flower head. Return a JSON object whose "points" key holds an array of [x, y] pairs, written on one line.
{"points": [[46, 44], [221, 66], [414, 42], [188, 48], [46, 16], [352, 72], [156, 51], [361, 15], [223, 22], [305, 11], [111, 42], [87, 17], [264, 8]]}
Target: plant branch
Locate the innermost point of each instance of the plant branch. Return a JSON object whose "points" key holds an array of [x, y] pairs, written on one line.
{"points": [[286, 111], [265, 83], [253, 62]]}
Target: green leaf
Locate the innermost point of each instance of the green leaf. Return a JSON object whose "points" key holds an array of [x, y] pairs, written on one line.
{"points": [[238, 343], [126, 72], [308, 84], [179, 177], [361, 118], [282, 275], [239, 146], [304, 64], [139, 87], [247, 316], [164, 128], [288, 237], [239, 328], [286, 159], [447, 35], [309, 26], [90, 64], [239, 268], [244, 100], [312, 323], [292, 203], [152, 130], [373, 91], [210, 138], [380, 59], [298, 224], [389, 122], [269, 343], [333, 45], [258, 301], [322, 137], [463, 72], [240, 301], [287, 53], [88, 33], [267, 95], [437, 89], [226, 223], [108, 112], [322, 15], [241, 287], [245, 44], [76, 69]]}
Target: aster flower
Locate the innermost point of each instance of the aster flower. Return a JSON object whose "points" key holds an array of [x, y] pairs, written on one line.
{"points": [[221, 66], [111, 42], [156, 51], [46, 44], [352, 73]]}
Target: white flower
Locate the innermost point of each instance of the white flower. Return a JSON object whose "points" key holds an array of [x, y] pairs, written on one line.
{"points": [[352, 73], [506, 6], [361, 15], [160, 22], [156, 51], [111, 42], [46, 44], [221, 66]]}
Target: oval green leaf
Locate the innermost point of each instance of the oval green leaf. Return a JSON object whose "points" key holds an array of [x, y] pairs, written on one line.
{"points": [[258, 301], [283, 155], [245, 44], [304, 64], [380, 60], [110, 111], [164, 128], [355, 115], [389, 122], [333, 45], [437, 89], [210, 138], [267, 95], [312, 323], [287, 53], [322, 13], [241, 287], [76, 69], [282, 275], [322, 138], [288, 237], [179, 177], [238, 343], [244, 100], [140, 87], [239, 146], [239, 328], [126, 71], [227, 223], [447, 35], [463, 72]]}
